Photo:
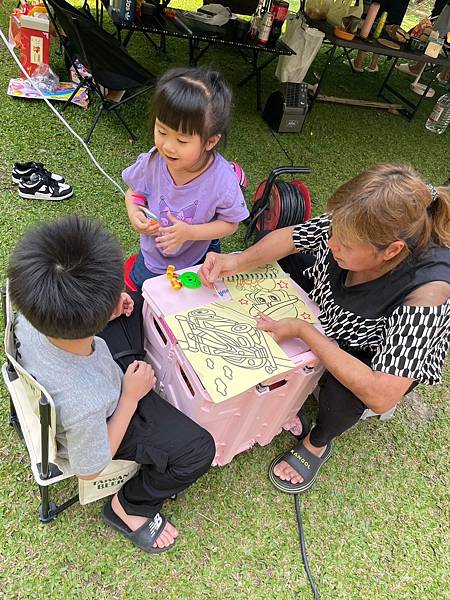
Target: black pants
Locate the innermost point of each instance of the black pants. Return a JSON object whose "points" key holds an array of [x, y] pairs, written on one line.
{"points": [[172, 449], [339, 408]]}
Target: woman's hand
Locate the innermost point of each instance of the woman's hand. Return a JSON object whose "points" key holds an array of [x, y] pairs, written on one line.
{"points": [[170, 238], [279, 330], [143, 225], [217, 266]]}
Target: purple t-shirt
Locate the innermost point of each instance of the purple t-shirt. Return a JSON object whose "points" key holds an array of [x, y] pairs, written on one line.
{"points": [[214, 195]]}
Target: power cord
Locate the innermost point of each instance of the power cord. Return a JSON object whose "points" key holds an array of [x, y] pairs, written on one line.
{"points": [[286, 153], [301, 536], [53, 109]]}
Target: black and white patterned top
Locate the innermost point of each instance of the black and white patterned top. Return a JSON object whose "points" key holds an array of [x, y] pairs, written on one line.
{"points": [[407, 341]]}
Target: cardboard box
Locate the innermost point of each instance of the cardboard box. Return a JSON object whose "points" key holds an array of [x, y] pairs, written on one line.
{"points": [[34, 42]]}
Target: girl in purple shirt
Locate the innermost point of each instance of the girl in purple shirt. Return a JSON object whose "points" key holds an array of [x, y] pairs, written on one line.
{"points": [[189, 187]]}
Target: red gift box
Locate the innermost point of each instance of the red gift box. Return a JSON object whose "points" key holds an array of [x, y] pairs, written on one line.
{"points": [[34, 42]]}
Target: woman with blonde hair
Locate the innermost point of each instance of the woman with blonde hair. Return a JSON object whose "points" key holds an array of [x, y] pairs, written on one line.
{"points": [[380, 273]]}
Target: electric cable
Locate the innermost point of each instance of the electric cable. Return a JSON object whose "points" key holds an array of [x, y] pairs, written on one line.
{"points": [[301, 536], [57, 113], [286, 153]]}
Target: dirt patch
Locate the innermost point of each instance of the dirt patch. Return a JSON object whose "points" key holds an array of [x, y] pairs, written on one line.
{"points": [[417, 411]]}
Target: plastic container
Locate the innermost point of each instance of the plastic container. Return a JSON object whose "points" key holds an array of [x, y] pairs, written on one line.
{"points": [[439, 119], [254, 416]]}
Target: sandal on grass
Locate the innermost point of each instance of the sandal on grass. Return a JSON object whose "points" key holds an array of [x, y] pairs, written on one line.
{"points": [[304, 462], [145, 536], [306, 426]]}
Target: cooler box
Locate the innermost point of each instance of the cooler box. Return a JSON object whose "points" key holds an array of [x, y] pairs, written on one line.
{"points": [[236, 424]]}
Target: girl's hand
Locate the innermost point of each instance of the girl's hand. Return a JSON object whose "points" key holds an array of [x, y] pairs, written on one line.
{"points": [[279, 330], [143, 225], [173, 236]]}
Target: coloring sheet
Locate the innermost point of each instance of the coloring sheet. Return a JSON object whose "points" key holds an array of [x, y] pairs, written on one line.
{"points": [[226, 350], [275, 298]]}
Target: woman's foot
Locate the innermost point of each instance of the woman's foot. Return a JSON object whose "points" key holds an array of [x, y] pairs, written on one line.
{"points": [[167, 536], [287, 473]]}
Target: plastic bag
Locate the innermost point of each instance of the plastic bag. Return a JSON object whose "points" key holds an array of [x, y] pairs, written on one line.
{"points": [[317, 9], [343, 8], [306, 42], [45, 79]]}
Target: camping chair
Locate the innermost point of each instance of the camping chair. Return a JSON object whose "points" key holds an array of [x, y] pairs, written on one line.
{"points": [[111, 67], [32, 414]]}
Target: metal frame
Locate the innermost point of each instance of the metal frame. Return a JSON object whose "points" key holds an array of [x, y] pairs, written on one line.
{"points": [[88, 80], [348, 46], [48, 510], [165, 28]]}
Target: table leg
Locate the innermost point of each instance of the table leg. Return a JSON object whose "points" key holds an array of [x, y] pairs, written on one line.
{"points": [[256, 72], [127, 38], [193, 46], [386, 79], [409, 114], [330, 60]]}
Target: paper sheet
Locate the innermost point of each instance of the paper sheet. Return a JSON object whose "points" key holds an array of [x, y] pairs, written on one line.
{"points": [[20, 88], [275, 298], [226, 350]]}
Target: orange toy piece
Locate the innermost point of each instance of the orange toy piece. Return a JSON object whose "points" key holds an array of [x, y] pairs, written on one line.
{"points": [[173, 277]]}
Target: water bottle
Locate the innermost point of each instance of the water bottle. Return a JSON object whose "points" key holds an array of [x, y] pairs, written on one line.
{"points": [[439, 119]]}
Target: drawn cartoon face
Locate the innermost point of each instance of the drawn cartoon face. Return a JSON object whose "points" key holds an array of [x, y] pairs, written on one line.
{"points": [[186, 214], [270, 302]]}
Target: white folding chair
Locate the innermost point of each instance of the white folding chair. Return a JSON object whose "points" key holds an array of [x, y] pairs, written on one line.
{"points": [[32, 414]]}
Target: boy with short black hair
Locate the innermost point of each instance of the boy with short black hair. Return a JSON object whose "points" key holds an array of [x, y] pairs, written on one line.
{"points": [[66, 280]]}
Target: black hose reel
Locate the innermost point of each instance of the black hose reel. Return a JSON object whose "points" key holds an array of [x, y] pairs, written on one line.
{"points": [[279, 203]]}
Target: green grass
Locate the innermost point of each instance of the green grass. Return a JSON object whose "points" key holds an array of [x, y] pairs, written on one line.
{"points": [[377, 520]]}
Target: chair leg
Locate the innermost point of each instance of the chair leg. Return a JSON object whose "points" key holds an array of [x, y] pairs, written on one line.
{"points": [[122, 120], [48, 511], [46, 508], [97, 117]]}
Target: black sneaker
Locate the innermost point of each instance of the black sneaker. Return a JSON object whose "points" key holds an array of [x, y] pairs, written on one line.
{"points": [[27, 169], [42, 187]]}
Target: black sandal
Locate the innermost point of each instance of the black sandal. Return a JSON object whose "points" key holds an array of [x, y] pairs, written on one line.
{"points": [[306, 426], [304, 462], [145, 536]]}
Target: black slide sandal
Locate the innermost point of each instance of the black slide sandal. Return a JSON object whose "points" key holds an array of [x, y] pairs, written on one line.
{"points": [[145, 536], [305, 463]]}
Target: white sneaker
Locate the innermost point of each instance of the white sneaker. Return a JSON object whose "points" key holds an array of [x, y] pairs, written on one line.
{"points": [[42, 187]]}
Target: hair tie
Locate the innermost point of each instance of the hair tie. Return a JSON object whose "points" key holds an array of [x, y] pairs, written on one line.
{"points": [[434, 193]]}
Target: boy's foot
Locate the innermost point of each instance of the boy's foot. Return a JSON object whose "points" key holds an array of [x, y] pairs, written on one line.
{"points": [[154, 535]]}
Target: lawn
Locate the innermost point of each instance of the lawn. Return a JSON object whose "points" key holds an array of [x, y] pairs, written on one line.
{"points": [[377, 520]]}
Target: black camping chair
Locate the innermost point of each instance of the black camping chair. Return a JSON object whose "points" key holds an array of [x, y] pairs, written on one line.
{"points": [[111, 67]]}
